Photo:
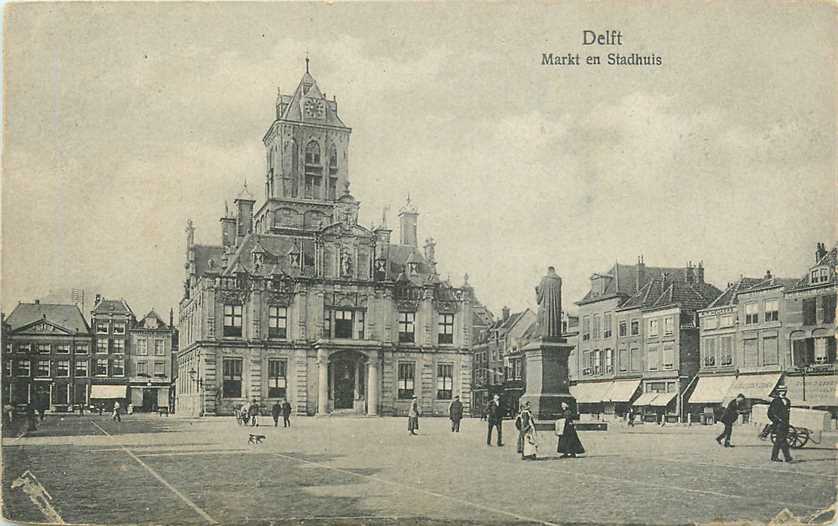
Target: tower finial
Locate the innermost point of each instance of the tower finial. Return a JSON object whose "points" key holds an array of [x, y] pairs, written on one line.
{"points": [[306, 60]]}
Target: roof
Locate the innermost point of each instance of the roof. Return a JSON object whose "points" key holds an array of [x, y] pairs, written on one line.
{"points": [[729, 296], [666, 291], [622, 280], [830, 259], [155, 319], [66, 316], [308, 89], [106, 306], [770, 283]]}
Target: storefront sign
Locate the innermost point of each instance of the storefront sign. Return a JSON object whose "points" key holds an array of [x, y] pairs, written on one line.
{"points": [[813, 390]]}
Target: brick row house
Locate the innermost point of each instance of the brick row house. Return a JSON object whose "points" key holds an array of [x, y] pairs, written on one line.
{"points": [[638, 343], [300, 302], [47, 358], [763, 332]]}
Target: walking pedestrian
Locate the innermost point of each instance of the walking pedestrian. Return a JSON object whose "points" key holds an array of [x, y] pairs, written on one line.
{"points": [[413, 416], [130, 408], [495, 416], [30, 418], [730, 415], [244, 413], [115, 416], [569, 444], [254, 413], [631, 416], [286, 413], [455, 413], [276, 410], [527, 437], [8, 413], [778, 412]]}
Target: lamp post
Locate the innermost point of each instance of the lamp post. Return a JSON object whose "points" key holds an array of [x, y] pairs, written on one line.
{"points": [[199, 384]]}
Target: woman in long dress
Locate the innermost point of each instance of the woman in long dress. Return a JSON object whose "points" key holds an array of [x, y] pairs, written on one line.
{"points": [[569, 443], [527, 437], [413, 416]]}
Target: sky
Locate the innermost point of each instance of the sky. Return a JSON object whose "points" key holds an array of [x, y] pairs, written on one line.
{"points": [[124, 120]]}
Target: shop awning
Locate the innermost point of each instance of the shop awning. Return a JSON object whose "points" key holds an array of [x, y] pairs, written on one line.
{"points": [[662, 400], [819, 390], [645, 399], [757, 386], [711, 389], [590, 392], [108, 391], [622, 390]]}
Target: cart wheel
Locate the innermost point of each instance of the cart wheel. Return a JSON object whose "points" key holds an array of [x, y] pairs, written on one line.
{"points": [[801, 438]]}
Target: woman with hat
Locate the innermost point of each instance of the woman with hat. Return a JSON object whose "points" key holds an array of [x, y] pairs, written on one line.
{"points": [[569, 443], [527, 437], [413, 416]]}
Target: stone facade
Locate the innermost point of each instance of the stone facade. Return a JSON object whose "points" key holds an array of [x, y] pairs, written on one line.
{"points": [[301, 302]]}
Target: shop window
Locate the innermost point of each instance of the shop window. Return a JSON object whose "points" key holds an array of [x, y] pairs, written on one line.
{"points": [[232, 387], [770, 350], [407, 322], [61, 394], [277, 370], [444, 381], [81, 368], [102, 367], [772, 310], [80, 394], [446, 329], [343, 323], [277, 322], [406, 375], [232, 320]]}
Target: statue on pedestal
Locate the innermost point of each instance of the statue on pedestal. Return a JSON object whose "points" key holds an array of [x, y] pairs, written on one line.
{"points": [[549, 297]]}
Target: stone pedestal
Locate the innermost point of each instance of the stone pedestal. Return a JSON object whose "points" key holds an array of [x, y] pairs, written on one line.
{"points": [[547, 377]]}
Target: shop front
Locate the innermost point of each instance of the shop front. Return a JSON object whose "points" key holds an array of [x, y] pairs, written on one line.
{"points": [[814, 390], [589, 398], [105, 395], [755, 387], [619, 396], [147, 397], [705, 401]]}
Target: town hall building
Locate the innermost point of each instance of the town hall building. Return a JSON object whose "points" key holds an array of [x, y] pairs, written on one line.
{"points": [[300, 302]]}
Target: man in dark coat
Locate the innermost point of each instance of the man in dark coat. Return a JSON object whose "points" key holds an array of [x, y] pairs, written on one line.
{"points": [[778, 412], [455, 413], [286, 414], [495, 416], [730, 415], [276, 410]]}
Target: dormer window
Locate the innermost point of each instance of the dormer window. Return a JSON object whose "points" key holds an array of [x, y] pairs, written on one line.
{"points": [[413, 267], [819, 275], [257, 259]]}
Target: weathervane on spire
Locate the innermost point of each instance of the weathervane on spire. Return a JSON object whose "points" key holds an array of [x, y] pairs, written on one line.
{"points": [[306, 60]]}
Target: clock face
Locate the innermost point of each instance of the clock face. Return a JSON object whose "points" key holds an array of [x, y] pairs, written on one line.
{"points": [[315, 109]]}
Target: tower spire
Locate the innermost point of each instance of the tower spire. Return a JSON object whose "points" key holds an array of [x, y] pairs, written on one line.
{"points": [[306, 61]]}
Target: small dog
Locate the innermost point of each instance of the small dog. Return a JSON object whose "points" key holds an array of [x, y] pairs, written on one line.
{"points": [[255, 439]]}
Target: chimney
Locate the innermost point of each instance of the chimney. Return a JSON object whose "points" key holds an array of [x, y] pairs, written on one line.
{"points": [[641, 273], [505, 312], [767, 274], [700, 272], [228, 231], [408, 218], [171, 317], [430, 250], [690, 272], [820, 252], [37, 302], [98, 299]]}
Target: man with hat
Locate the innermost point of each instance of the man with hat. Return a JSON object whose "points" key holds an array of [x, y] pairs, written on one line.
{"points": [[495, 417], [413, 416], [455, 413], [778, 413], [730, 415]]}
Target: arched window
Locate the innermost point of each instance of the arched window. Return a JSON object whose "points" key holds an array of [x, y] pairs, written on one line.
{"points": [[312, 153], [295, 163], [333, 172]]}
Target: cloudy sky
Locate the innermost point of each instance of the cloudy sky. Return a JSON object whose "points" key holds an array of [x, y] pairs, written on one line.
{"points": [[124, 120]]}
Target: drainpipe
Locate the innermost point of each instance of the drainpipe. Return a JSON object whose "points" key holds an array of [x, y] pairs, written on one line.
{"points": [[681, 396]]}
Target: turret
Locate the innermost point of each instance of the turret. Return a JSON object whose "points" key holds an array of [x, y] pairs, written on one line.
{"points": [[244, 216], [408, 219]]}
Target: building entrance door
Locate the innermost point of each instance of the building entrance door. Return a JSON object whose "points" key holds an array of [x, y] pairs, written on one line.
{"points": [[344, 384], [41, 396], [149, 399]]}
